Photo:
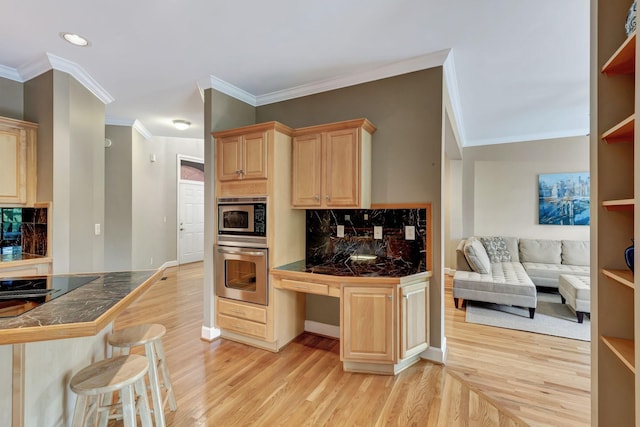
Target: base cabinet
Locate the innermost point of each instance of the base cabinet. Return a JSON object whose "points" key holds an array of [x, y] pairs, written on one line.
{"points": [[33, 269], [384, 328], [368, 324]]}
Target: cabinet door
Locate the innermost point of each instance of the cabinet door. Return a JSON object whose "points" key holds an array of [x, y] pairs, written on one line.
{"points": [[229, 158], [368, 324], [414, 323], [342, 179], [307, 171], [254, 156], [13, 165]]}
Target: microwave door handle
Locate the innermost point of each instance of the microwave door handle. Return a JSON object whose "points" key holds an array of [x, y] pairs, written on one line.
{"points": [[240, 252]]}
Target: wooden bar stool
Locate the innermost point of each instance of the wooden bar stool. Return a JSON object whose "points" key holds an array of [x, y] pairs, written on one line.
{"points": [[150, 335], [124, 374]]}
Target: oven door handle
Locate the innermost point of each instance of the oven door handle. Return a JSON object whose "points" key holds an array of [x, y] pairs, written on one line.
{"points": [[240, 252]]}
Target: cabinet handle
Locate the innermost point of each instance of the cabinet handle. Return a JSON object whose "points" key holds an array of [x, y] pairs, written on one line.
{"points": [[390, 297], [239, 171], [317, 198], [328, 198]]}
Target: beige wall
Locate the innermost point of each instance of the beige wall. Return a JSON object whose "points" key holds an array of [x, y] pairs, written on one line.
{"points": [[501, 186], [118, 199], [11, 99], [71, 149]]}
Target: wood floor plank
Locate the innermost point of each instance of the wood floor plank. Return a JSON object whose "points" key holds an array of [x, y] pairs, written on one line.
{"points": [[493, 376]]}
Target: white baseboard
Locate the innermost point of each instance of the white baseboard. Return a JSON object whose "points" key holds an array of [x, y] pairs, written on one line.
{"points": [[322, 329], [209, 334], [435, 354], [450, 271], [168, 264]]}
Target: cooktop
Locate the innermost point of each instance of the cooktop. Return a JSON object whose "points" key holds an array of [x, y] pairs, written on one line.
{"points": [[18, 295]]}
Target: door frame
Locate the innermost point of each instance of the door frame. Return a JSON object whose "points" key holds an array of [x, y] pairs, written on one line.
{"points": [[179, 159]]}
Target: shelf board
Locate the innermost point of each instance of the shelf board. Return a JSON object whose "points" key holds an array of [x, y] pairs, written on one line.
{"points": [[623, 61], [624, 277], [623, 348], [622, 132], [619, 205]]}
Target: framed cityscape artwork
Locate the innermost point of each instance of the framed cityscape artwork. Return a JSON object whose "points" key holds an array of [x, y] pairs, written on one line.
{"points": [[563, 198]]}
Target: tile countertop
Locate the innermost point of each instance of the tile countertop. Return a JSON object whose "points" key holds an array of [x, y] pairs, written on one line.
{"points": [[386, 270], [82, 312]]}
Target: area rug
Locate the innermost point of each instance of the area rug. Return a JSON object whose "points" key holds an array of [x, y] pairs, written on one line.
{"points": [[551, 318]]}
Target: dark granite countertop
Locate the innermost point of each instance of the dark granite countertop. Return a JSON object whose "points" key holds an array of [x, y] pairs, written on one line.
{"points": [[84, 311], [380, 267]]}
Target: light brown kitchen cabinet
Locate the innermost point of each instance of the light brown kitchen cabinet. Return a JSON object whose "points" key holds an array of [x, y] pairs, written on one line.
{"points": [[332, 165], [414, 327], [368, 324], [383, 328], [242, 157], [17, 162], [33, 267]]}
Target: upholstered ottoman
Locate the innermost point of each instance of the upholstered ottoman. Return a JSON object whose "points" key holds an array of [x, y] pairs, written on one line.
{"points": [[575, 291]]}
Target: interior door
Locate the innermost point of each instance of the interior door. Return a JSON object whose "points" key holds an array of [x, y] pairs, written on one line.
{"points": [[191, 222]]}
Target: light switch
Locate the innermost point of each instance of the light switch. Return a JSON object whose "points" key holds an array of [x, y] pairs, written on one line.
{"points": [[347, 217], [410, 232], [340, 231], [97, 229], [366, 217], [377, 232]]}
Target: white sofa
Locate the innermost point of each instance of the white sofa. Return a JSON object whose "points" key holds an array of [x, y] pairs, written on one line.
{"points": [[506, 270]]}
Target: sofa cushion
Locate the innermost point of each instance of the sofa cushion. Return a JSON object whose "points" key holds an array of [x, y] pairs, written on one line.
{"points": [[477, 256], [576, 252], [540, 251], [547, 274], [496, 248]]}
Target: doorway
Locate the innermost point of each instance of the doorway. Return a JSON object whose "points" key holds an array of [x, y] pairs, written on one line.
{"points": [[190, 209]]}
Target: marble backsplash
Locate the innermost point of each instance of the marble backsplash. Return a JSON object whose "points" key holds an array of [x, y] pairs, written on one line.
{"points": [[23, 230], [393, 252]]}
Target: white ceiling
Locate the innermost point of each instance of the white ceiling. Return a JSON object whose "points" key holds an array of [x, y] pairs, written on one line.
{"points": [[522, 67]]}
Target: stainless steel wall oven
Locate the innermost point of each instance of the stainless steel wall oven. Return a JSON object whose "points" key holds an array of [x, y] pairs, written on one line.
{"points": [[241, 256]]}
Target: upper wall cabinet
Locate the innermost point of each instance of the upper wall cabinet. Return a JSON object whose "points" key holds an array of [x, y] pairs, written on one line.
{"points": [[242, 157], [245, 157], [332, 165], [17, 162]]}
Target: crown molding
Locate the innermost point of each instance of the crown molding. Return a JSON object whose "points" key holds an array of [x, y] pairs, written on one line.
{"points": [[49, 61], [135, 124], [10, 73], [417, 63], [451, 82], [213, 82]]}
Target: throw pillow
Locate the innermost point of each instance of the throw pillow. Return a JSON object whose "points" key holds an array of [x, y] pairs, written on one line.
{"points": [[477, 256], [496, 248]]}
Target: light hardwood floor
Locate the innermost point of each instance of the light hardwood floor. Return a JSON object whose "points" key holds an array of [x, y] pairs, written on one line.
{"points": [[493, 377]]}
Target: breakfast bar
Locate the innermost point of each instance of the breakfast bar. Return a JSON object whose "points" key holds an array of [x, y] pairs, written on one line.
{"points": [[41, 348]]}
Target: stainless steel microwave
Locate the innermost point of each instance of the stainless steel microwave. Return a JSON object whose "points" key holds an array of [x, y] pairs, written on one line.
{"points": [[242, 221]]}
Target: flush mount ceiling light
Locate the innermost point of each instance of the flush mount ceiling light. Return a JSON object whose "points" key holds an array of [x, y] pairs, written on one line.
{"points": [[75, 39], [181, 124]]}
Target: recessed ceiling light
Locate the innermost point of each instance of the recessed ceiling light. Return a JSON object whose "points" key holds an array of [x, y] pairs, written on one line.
{"points": [[181, 124], [75, 39]]}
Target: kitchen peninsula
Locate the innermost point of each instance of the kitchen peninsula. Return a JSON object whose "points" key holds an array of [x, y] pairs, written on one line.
{"points": [[41, 348]]}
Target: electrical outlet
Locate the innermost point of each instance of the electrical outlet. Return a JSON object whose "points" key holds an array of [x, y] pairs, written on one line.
{"points": [[151, 261], [347, 217], [340, 231], [410, 232], [377, 232], [366, 217]]}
